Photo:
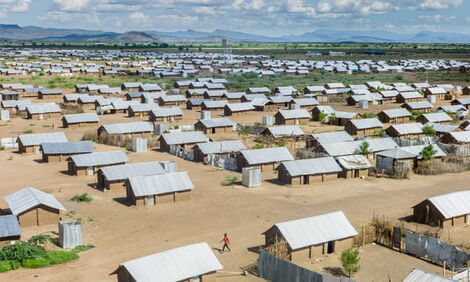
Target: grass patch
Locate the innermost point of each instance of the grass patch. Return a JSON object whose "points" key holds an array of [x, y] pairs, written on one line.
{"points": [[85, 197], [27, 131], [59, 257], [83, 248], [39, 262]]}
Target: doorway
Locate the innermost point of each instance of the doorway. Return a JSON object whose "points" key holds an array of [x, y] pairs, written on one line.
{"points": [[150, 200], [306, 179], [331, 247]]}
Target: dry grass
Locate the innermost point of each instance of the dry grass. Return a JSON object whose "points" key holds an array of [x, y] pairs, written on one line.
{"points": [[278, 249], [117, 140], [448, 164], [71, 109]]}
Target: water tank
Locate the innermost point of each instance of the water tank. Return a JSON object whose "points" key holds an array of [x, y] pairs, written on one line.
{"points": [[251, 177], [139, 145], [294, 106], [4, 115], [267, 120], [70, 234], [363, 104], [161, 128], [205, 115], [431, 99]]}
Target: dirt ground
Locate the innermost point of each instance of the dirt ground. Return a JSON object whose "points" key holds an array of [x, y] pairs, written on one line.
{"points": [[121, 232]]}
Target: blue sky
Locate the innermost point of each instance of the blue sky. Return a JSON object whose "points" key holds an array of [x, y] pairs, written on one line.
{"points": [[267, 17]]}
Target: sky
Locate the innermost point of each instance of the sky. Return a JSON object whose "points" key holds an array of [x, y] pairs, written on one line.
{"points": [[266, 17]]}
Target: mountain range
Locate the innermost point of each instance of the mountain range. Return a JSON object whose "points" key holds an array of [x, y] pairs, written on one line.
{"points": [[34, 33]]}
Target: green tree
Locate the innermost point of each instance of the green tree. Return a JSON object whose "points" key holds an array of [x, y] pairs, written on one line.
{"points": [[244, 132], [428, 130], [428, 152], [350, 261], [364, 149], [322, 116]]}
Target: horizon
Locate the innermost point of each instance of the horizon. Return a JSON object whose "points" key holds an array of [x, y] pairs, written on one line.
{"points": [[275, 18]]}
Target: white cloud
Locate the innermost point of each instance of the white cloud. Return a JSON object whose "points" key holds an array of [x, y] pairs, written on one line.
{"points": [[439, 4], [71, 5], [139, 18]]}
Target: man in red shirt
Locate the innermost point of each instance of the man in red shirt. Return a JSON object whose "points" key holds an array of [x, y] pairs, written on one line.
{"points": [[226, 241]]}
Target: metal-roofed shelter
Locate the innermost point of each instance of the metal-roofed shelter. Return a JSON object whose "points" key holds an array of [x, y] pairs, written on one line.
{"points": [[287, 131], [362, 127], [351, 147], [194, 262], [313, 236], [30, 143], [165, 114], [61, 151], [420, 106], [457, 138], [354, 166], [80, 120], [9, 229], [399, 115], [406, 130], [308, 171], [292, 117], [439, 117], [267, 158], [329, 138], [42, 111], [88, 164], [130, 129], [238, 108], [34, 207], [227, 148], [184, 140], [214, 125], [156, 189], [114, 177], [445, 210]]}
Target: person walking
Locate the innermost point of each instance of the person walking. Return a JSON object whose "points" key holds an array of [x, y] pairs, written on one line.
{"points": [[226, 242]]}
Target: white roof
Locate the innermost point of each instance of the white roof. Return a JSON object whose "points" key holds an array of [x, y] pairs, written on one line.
{"points": [[160, 183], [452, 204], [28, 198], [332, 137], [311, 166], [418, 275], [37, 139], [315, 230], [366, 123], [174, 265], [285, 130], [267, 155], [354, 162]]}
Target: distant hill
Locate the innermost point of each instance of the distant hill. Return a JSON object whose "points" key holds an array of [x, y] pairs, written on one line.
{"points": [[12, 32]]}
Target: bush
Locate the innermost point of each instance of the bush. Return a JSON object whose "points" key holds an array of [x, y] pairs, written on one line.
{"points": [[85, 197], [58, 257], [36, 262], [40, 239], [27, 131], [231, 179], [21, 251], [83, 248], [5, 266]]}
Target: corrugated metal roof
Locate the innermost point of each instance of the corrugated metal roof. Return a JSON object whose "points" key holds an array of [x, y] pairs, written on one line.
{"points": [[43, 108], [28, 198], [280, 99], [442, 127], [37, 139], [315, 230], [416, 150], [167, 112], [128, 127], [462, 276], [437, 117], [239, 107], [123, 105], [267, 155], [394, 113], [332, 137], [410, 95], [189, 137], [418, 105], [122, 172], [67, 147], [408, 128], [461, 136], [9, 226], [99, 158], [366, 123], [292, 114], [452, 108], [14, 103], [160, 183], [312, 166], [351, 148], [354, 162], [452, 204], [396, 153], [437, 90], [86, 117], [284, 131], [174, 265], [221, 147], [143, 107], [217, 122], [173, 98], [418, 275], [215, 104], [306, 101]]}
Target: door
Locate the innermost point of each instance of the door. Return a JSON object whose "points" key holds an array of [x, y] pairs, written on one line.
{"points": [[150, 200], [356, 173], [306, 179], [331, 247], [89, 171], [213, 130]]}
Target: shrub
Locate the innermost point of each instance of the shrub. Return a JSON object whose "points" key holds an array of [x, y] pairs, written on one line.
{"points": [[27, 131], [58, 257], [368, 115], [428, 152], [85, 197], [350, 261], [364, 149], [5, 266], [21, 251], [36, 262], [231, 179], [258, 146], [428, 130]]}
